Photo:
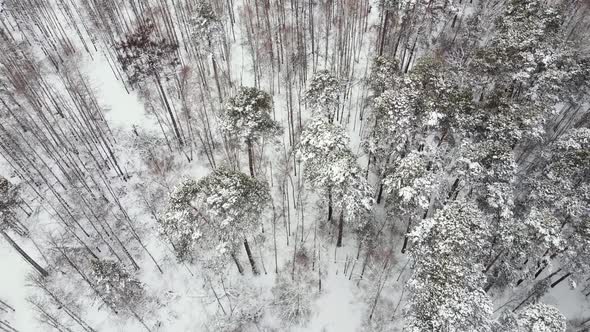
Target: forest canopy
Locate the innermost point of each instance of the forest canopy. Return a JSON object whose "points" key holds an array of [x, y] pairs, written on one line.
{"points": [[295, 165]]}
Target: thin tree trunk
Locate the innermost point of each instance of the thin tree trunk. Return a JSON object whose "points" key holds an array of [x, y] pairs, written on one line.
{"points": [[330, 208], [405, 246], [250, 257], [340, 229], [274, 237], [364, 267], [169, 109], [383, 32], [558, 281], [28, 258], [380, 194], [493, 262], [250, 157], [238, 265]]}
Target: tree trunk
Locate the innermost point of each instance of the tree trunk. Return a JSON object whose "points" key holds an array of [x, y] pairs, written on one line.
{"points": [[340, 229], [28, 258], [383, 32], [330, 209], [238, 265], [250, 257], [380, 194], [558, 281], [405, 246], [217, 79], [493, 261], [169, 109], [453, 188], [250, 157]]}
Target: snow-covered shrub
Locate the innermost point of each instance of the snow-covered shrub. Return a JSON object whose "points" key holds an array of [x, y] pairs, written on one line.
{"points": [[295, 291], [245, 310]]}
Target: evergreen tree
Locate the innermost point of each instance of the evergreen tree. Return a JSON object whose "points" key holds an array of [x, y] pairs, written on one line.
{"points": [[247, 117], [142, 56], [323, 96], [446, 287], [219, 212], [537, 317], [118, 288], [330, 166]]}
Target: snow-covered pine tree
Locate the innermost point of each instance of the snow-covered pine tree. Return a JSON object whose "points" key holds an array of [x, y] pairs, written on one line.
{"points": [[527, 55], [9, 201], [421, 108], [536, 317], [207, 37], [561, 186], [218, 212], [206, 27], [384, 75], [118, 288], [446, 287], [413, 186], [323, 95], [329, 165], [247, 117], [143, 55]]}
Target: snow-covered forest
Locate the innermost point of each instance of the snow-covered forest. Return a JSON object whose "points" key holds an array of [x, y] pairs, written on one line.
{"points": [[295, 165]]}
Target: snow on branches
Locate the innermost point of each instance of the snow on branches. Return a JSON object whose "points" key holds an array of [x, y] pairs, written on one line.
{"points": [[116, 286], [248, 115], [537, 317], [216, 212], [323, 94], [329, 164], [447, 283], [412, 182], [206, 27]]}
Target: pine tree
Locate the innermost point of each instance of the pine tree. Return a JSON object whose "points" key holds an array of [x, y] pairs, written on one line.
{"points": [[324, 94], [9, 201], [446, 287], [142, 56], [330, 166], [247, 117], [218, 212], [118, 288], [535, 317]]}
